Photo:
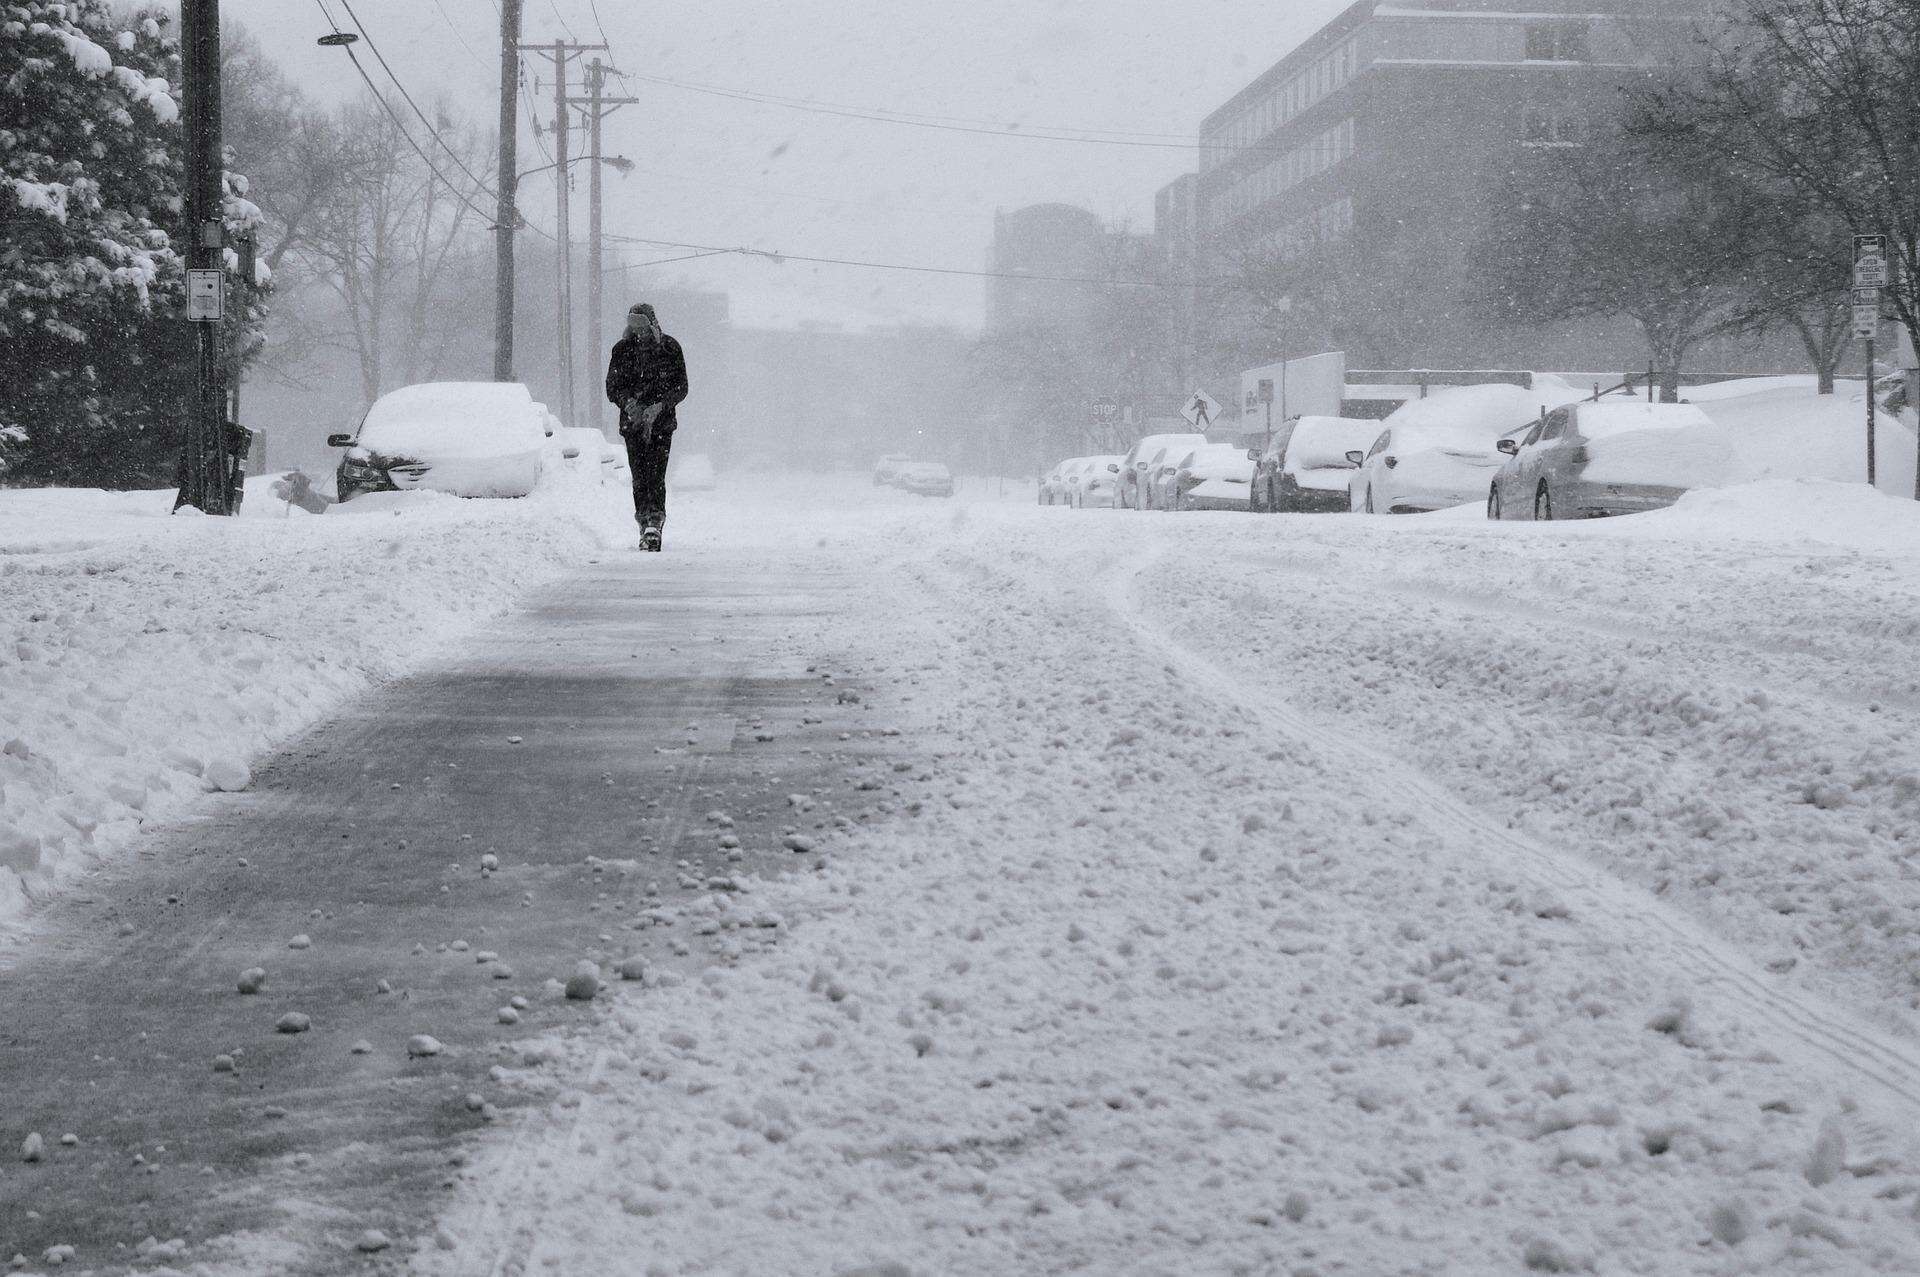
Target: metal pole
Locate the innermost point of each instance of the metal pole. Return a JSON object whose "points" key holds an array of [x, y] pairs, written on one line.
{"points": [[1872, 413], [506, 212], [203, 483], [596, 78], [561, 131]]}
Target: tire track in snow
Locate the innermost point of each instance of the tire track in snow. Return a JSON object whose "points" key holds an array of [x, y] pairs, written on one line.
{"points": [[1829, 1041]]}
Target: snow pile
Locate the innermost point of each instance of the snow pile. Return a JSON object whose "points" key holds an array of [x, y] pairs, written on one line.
{"points": [[1672, 445], [1466, 416], [146, 660], [1190, 970]]}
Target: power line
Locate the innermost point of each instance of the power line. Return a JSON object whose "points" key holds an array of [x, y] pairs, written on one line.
{"points": [[458, 34], [401, 127], [1030, 135], [432, 131], [564, 25], [818, 199], [889, 115], [714, 249]]}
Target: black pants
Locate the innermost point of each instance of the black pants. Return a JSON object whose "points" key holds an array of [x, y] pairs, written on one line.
{"points": [[648, 460]]}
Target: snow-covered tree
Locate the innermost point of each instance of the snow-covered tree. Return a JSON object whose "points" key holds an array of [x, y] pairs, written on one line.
{"points": [[92, 306]]}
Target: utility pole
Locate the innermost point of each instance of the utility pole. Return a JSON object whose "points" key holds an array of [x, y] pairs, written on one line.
{"points": [[204, 481], [506, 215], [599, 106], [562, 182], [563, 52]]}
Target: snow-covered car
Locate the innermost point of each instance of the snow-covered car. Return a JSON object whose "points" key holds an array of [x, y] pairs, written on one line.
{"points": [[1589, 461], [468, 438], [692, 472], [1056, 486], [1217, 476], [1140, 459], [1311, 474], [886, 471], [1438, 452], [588, 451], [1096, 483], [925, 479]]}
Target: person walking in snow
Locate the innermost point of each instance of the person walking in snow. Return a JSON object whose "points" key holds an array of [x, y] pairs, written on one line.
{"points": [[646, 380]]}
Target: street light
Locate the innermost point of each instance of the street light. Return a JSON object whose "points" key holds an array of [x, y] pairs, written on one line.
{"points": [[338, 40], [618, 163]]}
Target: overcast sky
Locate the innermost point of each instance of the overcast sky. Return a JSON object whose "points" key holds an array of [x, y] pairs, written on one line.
{"points": [[714, 170]]}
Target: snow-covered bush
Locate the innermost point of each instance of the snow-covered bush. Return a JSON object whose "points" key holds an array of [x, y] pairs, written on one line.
{"points": [[91, 286]]}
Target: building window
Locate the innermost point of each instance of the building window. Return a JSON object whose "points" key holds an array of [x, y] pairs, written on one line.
{"points": [[1552, 126], [1559, 42]]}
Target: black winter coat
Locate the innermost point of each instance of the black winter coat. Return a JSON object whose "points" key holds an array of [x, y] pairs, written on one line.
{"points": [[653, 373]]}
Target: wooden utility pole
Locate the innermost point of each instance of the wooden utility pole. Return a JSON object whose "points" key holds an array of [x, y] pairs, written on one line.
{"points": [[598, 106], [506, 211], [204, 479], [561, 52]]}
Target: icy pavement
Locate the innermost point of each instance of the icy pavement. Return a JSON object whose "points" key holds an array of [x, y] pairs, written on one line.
{"points": [[1308, 896], [145, 661]]}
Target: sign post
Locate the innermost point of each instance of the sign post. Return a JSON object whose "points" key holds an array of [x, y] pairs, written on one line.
{"points": [[1871, 274]]}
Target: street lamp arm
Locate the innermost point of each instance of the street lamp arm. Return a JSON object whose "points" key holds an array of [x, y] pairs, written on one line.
{"points": [[618, 163]]}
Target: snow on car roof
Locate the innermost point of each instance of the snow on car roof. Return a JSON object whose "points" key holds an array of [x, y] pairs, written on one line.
{"points": [[1481, 411], [1601, 419], [454, 418], [1322, 443]]}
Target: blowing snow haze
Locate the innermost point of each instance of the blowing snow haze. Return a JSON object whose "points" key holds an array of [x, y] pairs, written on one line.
{"points": [[1004, 638]]}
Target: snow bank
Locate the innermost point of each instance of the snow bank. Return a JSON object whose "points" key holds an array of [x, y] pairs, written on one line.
{"points": [[146, 660], [1476, 414]]}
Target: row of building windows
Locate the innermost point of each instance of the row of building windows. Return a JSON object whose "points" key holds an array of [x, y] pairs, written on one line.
{"points": [[1287, 100], [1256, 186], [1328, 224]]}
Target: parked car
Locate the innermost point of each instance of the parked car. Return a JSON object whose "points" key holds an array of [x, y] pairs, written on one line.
{"points": [[1438, 452], [588, 451], [1056, 488], [1592, 460], [926, 479], [468, 438], [1311, 472], [692, 472], [1134, 466], [886, 471], [1096, 483], [1217, 476]]}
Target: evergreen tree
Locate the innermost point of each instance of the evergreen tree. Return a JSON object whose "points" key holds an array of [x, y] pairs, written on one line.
{"points": [[92, 288]]}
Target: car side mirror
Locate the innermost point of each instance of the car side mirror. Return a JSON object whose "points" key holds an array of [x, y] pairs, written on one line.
{"points": [[1253, 454], [569, 452], [1508, 446], [1357, 459], [1113, 467], [339, 441]]}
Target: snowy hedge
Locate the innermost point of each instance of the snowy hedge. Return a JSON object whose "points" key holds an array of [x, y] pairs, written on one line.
{"points": [[91, 285]]}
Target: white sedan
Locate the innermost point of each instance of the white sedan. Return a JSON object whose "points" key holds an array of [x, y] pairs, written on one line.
{"points": [[1441, 451], [469, 438]]}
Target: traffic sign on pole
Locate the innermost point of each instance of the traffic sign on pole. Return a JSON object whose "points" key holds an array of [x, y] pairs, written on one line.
{"points": [[1866, 320], [1201, 411]]}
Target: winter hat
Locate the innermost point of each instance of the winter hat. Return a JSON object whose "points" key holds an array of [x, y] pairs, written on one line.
{"points": [[641, 308]]}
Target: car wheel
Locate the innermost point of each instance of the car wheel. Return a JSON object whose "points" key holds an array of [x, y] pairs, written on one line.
{"points": [[1543, 505], [1493, 502]]}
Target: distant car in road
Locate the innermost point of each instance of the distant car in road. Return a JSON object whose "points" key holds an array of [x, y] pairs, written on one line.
{"points": [[468, 438], [925, 479], [1594, 460], [886, 471], [1095, 483], [1309, 468], [692, 472], [1134, 479], [1438, 452], [1217, 476]]}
